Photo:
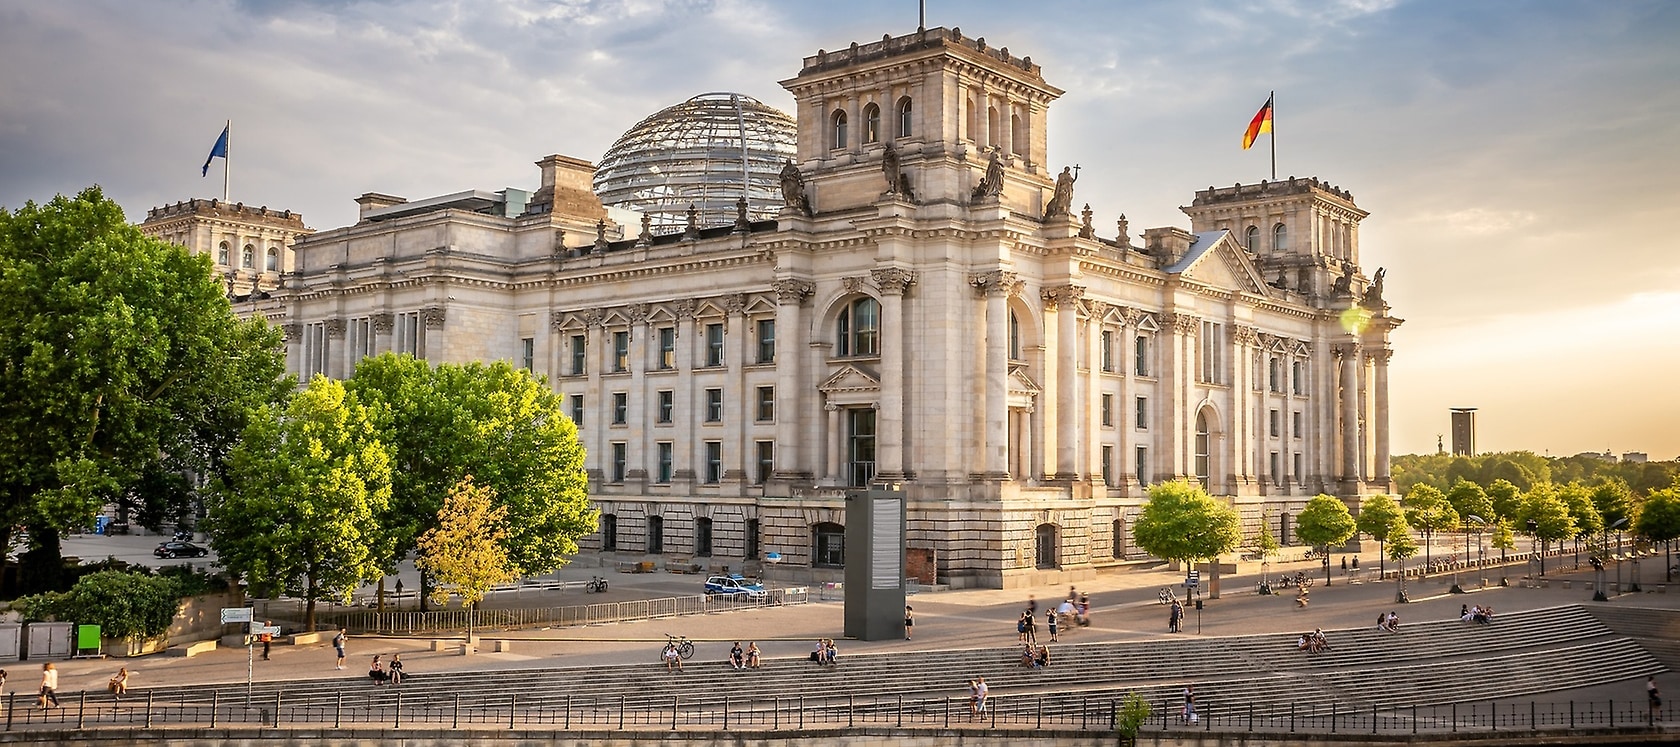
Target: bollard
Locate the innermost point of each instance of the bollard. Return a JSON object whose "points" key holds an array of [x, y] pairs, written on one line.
{"points": [[11, 707], [674, 707], [1332, 717], [621, 713], [1208, 720], [1251, 718], [276, 712], [725, 712], [1373, 718], [1084, 708], [775, 714], [1531, 715], [900, 715], [397, 713], [1455, 717], [1292, 717], [851, 710], [1414, 718], [1039, 724], [947, 711], [802, 712], [513, 707]]}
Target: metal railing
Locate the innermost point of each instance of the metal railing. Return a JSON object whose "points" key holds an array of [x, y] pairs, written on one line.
{"points": [[364, 622], [1064, 712]]}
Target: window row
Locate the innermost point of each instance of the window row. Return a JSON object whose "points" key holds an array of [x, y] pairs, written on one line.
{"points": [[665, 405], [1275, 420], [248, 257], [1278, 477], [653, 541], [1275, 377], [665, 350], [1140, 412], [1280, 238], [839, 135], [1140, 465], [711, 471]]}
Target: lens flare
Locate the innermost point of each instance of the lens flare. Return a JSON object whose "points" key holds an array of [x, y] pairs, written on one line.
{"points": [[1355, 319]]}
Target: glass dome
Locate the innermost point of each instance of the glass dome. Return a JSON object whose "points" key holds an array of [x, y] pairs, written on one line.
{"points": [[700, 152]]}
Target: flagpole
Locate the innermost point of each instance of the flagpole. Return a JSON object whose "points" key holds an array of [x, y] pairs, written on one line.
{"points": [[1273, 99], [228, 158]]}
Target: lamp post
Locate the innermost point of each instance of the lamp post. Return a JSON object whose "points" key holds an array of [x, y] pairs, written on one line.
{"points": [[1534, 544]]}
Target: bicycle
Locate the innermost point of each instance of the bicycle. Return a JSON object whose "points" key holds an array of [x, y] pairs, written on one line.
{"points": [[1166, 596], [684, 647], [595, 584]]}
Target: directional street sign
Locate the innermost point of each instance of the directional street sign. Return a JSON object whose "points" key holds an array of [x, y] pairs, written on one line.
{"points": [[237, 615]]}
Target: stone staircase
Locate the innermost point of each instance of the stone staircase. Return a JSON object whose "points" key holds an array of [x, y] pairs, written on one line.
{"points": [[1658, 630], [1427, 663]]}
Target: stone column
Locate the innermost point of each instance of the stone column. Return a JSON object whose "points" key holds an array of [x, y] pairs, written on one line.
{"points": [[1381, 425], [431, 336], [736, 407], [1065, 300], [1245, 447], [835, 436], [641, 446], [682, 400], [338, 353], [595, 423], [996, 286], [889, 446], [1348, 355], [1180, 362], [790, 296], [1095, 310], [1126, 363], [383, 323], [292, 333]]}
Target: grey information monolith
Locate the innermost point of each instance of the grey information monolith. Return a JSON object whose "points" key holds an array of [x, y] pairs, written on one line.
{"points": [[875, 565]]}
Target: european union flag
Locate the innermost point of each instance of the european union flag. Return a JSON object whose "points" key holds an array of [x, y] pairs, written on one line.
{"points": [[220, 149]]}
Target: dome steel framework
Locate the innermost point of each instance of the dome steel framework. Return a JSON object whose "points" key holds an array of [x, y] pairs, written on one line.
{"points": [[704, 152]]}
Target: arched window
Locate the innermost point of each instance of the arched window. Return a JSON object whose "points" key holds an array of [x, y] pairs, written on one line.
{"points": [[837, 130], [973, 122], [1047, 546], [1251, 238], [904, 117], [248, 257], [1017, 135], [858, 330], [992, 126], [828, 545], [871, 123], [609, 532], [1280, 238], [1203, 441], [222, 254], [655, 535], [1014, 337], [272, 261]]}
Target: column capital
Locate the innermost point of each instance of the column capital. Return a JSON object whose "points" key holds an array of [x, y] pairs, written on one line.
{"points": [[292, 331], [1183, 324], [1246, 335], [335, 329], [734, 303], [384, 322], [1095, 309], [435, 316], [596, 318], [637, 312], [893, 281], [1345, 350], [556, 320], [1380, 356], [792, 291], [1056, 296], [996, 283]]}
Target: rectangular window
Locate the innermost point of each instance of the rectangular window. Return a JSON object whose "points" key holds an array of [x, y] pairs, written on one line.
{"points": [[1277, 477], [1213, 353], [577, 410], [1298, 377], [667, 403], [1275, 374], [766, 341], [621, 407], [1107, 351], [752, 538], [1108, 465], [620, 455], [621, 352], [1140, 417], [528, 353], [1141, 464], [714, 405], [766, 462], [314, 349], [667, 348], [714, 462], [609, 532], [655, 535], [359, 337], [578, 352], [1140, 355], [1297, 470], [703, 537], [766, 404], [1273, 421], [1295, 423], [405, 333], [1108, 410], [714, 344], [662, 474]]}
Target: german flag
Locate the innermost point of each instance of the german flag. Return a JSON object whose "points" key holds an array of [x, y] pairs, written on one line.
{"points": [[1262, 122]]}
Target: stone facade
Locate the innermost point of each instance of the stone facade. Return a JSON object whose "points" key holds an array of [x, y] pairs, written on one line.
{"points": [[913, 318], [251, 247]]}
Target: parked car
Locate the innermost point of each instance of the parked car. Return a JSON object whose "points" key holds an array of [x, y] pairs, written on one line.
{"points": [[736, 584], [180, 550]]}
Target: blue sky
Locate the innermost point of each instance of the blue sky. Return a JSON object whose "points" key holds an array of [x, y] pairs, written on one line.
{"points": [[1518, 158]]}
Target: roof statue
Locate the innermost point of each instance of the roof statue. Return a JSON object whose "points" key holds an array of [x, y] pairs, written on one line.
{"points": [[991, 185], [898, 182], [1061, 201], [793, 189], [1374, 292]]}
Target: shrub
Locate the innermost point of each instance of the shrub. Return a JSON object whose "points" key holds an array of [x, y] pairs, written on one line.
{"points": [[130, 606], [1130, 715]]}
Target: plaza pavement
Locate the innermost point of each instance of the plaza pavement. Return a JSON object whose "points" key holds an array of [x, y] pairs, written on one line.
{"points": [[1124, 607]]}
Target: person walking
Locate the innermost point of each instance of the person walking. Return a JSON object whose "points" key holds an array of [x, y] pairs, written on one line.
{"points": [[267, 639], [1652, 697], [1189, 714], [1050, 622], [909, 622], [1174, 615], [49, 685], [338, 647]]}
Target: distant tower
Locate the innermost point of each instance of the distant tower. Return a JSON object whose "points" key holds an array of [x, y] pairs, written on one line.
{"points": [[1464, 431], [1440, 447]]}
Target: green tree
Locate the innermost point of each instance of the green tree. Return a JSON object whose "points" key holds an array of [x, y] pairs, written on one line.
{"points": [[1263, 543], [494, 422], [1588, 522], [1428, 511], [1546, 517], [1506, 499], [117, 352], [1613, 499], [1401, 546], [1325, 522], [1180, 521], [1659, 521], [300, 506], [1504, 539], [126, 605], [1376, 516], [464, 552], [1468, 499]]}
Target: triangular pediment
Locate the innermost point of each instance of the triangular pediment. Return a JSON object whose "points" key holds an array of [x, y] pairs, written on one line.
{"points": [[850, 379], [1020, 384], [1216, 259]]}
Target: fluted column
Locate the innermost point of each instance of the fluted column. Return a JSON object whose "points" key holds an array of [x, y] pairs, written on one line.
{"points": [[1092, 417], [595, 423], [1065, 300], [835, 436], [1245, 447], [338, 353], [1380, 427], [736, 407], [682, 400], [790, 296], [383, 323], [636, 414], [1348, 355], [889, 428], [996, 286]]}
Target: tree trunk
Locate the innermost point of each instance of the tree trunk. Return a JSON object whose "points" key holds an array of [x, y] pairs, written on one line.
{"points": [[380, 605], [41, 568], [309, 606], [425, 590]]}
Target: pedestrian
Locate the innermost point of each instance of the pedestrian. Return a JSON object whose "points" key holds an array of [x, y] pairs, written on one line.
{"points": [[338, 647], [1652, 696], [980, 693], [49, 685], [1189, 714], [1050, 622], [1032, 629], [1356, 562], [118, 685], [909, 622], [1344, 564], [1174, 616], [1021, 626], [266, 638], [973, 698]]}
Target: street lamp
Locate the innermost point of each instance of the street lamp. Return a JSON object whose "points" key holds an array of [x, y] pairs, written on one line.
{"points": [[1456, 588], [1598, 594]]}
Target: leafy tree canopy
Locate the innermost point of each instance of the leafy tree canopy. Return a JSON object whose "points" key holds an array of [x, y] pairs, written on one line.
{"points": [[1581, 509], [1325, 521], [1468, 499], [1525, 469], [1543, 506], [1428, 510], [464, 551], [1506, 499], [1659, 518], [1400, 543], [1182, 522], [1614, 499], [1376, 516]]}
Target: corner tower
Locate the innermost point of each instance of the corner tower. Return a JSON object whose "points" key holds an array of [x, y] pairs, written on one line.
{"points": [[938, 100], [1302, 233]]}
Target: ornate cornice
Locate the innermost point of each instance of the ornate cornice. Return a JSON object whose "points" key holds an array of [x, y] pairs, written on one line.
{"points": [[685, 307], [637, 313], [595, 317], [893, 281]]}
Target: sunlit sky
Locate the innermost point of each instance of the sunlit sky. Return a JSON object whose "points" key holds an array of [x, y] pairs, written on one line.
{"points": [[1519, 159]]}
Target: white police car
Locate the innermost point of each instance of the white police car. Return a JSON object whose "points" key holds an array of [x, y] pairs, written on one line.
{"points": [[735, 584]]}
